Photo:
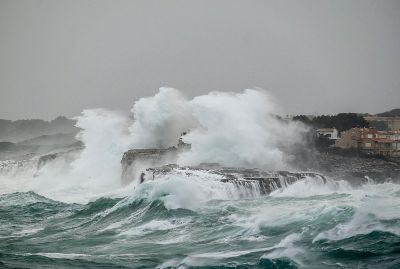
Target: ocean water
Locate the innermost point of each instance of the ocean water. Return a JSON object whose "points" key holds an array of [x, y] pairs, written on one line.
{"points": [[74, 212], [198, 222]]}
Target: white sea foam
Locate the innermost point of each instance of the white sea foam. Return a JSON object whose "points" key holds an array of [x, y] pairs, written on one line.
{"points": [[313, 186], [236, 129], [55, 255], [160, 120], [373, 204], [188, 191], [229, 128], [240, 129], [155, 225], [287, 249], [361, 223], [105, 136]]}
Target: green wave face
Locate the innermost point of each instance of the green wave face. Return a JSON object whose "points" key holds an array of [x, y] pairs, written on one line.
{"points": [[328, 227]]}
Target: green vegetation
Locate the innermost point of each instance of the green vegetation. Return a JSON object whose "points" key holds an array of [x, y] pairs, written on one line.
{"points": [[341, 121], [379, 125], [391, 113]]}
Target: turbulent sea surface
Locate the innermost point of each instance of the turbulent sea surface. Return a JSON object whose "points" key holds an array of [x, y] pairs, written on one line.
{"points": [[173, 223], [70, 209]]}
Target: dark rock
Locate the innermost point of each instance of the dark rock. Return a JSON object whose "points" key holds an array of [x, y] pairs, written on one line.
{"points": [[251, 178], [46, 158], [135, 160], [357, 168]]}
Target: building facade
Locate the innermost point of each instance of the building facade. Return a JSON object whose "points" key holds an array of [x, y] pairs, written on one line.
{"points": [[369, 140], [330, 133]]}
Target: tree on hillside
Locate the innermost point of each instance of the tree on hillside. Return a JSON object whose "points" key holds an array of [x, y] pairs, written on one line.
{"points": [[341, 121], [392, 113], [304, 119], [379, 125]]}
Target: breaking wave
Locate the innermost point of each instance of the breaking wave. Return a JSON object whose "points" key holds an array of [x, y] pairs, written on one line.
{"points": [[72, 211], [166, 224]]}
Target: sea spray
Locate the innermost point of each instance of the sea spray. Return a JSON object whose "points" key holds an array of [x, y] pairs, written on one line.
{"points": [[192, 189], [344, 227], [191, 219], [240, 129], [258, 138], [233, 129], [105, 137], [160, 120]]}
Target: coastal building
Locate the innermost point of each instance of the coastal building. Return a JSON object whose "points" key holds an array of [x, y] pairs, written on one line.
{"points": [[391, 123], [386, 147], [330, 133], [394, 135], [354, 138], [369, 140]]}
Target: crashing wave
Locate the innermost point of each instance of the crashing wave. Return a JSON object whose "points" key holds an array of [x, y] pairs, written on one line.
{"points": [[255, 180]]}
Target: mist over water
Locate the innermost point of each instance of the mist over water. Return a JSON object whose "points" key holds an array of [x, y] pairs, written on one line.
{"points": [[160, 120], [240, 129], [233, 129], [74, 211]]}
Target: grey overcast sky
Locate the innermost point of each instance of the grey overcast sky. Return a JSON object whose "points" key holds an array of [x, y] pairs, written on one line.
{"points": [[59, 57]]}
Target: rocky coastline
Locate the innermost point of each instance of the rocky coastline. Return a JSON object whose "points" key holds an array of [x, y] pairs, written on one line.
{"points": [[356, 167], [264, 182], [352, 167]]}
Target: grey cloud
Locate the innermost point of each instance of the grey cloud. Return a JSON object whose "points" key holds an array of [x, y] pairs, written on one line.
{"points": [[59, 57]]}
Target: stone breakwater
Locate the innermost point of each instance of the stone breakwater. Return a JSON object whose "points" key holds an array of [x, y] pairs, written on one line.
{"points": [[262, 182], [135, 160], [152, 164], [357, 169]]}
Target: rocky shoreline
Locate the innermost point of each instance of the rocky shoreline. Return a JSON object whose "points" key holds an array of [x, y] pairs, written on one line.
{"points": [[350, 166], [264, 182], [356, 167]]}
